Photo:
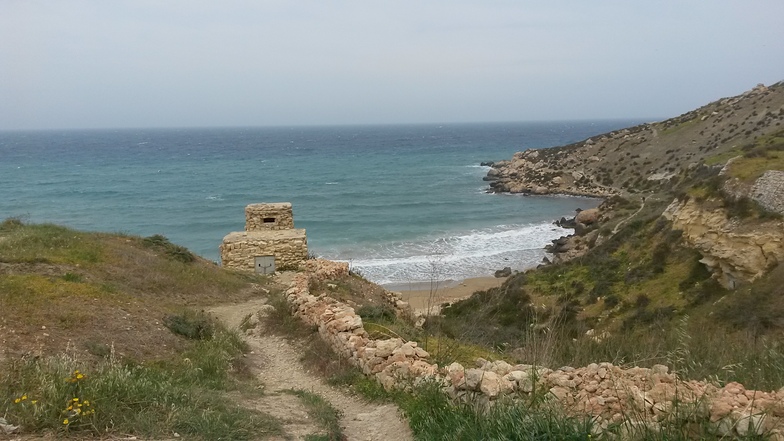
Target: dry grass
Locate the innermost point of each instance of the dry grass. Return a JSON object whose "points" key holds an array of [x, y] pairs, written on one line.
{"points": [[61, 287]]}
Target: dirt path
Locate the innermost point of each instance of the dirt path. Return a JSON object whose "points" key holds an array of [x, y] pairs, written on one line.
{"points": [[277, 364], [621, 223]]}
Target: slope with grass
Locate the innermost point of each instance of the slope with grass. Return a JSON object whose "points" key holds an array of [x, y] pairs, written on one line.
{"points": [[650, 157], [106, 335], [696, 286]]}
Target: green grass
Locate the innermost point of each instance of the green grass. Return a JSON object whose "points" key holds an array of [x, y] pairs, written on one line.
{"points": [[722, 158], [766, 153], [47, 243], [433, 416], [320, 410], [157, 400]]}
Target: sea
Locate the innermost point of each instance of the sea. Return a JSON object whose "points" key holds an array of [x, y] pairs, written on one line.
{"points": [[403, 204]]}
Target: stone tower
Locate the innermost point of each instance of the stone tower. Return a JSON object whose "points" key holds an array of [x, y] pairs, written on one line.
{"points": [[269, 243]]}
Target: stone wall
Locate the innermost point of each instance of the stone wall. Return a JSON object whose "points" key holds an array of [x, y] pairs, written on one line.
{"points": [[609, 394], [768, 190], [240, 249], [264, 217]]}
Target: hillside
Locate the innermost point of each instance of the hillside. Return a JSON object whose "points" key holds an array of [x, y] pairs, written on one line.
{"points": [[679, 265], [109, 335], [64, 288], [649, 157]]}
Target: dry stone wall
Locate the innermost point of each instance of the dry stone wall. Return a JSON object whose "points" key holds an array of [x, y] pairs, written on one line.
{"points": [[608, 394]]}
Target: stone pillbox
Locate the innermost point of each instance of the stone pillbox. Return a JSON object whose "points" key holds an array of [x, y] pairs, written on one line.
{"points": [[269, 241]]}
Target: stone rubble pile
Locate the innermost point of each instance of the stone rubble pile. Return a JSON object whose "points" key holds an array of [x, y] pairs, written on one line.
{"points": [[609, 394]]}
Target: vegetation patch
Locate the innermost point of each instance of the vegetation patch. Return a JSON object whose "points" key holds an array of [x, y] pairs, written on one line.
{"points": [[320, 410], [765, 153], [65, 396], [176, 252], [47, 243]]}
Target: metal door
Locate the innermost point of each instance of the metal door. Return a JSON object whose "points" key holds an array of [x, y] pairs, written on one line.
{"points": [[265, 264]]}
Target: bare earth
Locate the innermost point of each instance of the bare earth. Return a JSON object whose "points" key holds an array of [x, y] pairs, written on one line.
{"points": [[423, 297], [277, 365]]}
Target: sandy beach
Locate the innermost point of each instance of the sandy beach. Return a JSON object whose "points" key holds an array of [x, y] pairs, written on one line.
{"points": [[424, 295]]}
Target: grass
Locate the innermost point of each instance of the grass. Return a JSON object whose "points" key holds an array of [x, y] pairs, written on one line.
{"points": [[47, 243], [635, 290], [96, 290], [766, 153], [111, 320], [320, 410], [433, 416], [162, 244], [63, 395]]}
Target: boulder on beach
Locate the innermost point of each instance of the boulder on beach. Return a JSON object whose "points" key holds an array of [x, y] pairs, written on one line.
{"points": [[506, 272]]}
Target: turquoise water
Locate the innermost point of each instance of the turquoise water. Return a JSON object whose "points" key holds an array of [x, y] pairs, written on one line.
{"points": [[401, 203]]}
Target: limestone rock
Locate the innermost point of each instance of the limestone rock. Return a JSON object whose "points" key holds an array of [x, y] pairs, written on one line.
{"points": [[490, 384], [587, 217], [473, 377], [735, 253]]}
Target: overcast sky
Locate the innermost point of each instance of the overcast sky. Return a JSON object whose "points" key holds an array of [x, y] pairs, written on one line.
{"points": [[186, 63]]}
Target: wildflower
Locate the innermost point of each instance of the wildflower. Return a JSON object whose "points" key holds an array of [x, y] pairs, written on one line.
{"points": [[24, 397], [34, 401], [65, 422], [16, 401], [75, 400]]}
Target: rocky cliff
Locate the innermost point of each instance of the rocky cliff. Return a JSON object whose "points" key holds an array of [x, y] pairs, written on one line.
{"points": [[734, 251]]}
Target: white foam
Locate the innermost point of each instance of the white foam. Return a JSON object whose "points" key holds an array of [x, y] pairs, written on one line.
{"points": [[454, 256]]}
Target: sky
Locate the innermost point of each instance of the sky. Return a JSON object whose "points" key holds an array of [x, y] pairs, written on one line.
{"points": [[198, 63]]}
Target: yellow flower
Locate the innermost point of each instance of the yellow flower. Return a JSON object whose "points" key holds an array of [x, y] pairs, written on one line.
{"points": [[86, 402], [65, 421], [16, 401], [24, 397], [75, 400], [34, 401]]}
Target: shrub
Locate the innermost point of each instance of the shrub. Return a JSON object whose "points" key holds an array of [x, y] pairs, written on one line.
{"points": [[11, 223], [379, 313], [659, 257], [173, 251], [190, 324]]}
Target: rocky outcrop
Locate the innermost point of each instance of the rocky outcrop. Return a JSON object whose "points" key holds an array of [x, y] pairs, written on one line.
{"points": [[768, 191], [537, 172], [609, 394], [735, 252], [644, 158]]}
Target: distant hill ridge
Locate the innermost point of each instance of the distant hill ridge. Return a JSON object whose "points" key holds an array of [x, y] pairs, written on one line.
{"points": [[649, 157]]}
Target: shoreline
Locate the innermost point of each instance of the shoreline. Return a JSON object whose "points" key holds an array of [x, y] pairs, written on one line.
{"points": [[424, 296]]}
